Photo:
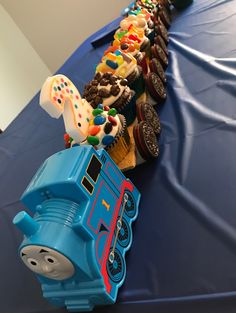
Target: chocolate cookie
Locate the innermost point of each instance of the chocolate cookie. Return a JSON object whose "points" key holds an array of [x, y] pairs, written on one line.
{"points": [[165, 17], [156, 67], [155, 87], [160, 41], [145, 141], [166, 5], [146, 113], [162, 31], [159, 54]]}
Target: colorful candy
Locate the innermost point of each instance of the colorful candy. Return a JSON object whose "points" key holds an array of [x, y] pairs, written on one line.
{"points": [[93, 140], [97, 111], [99, 120], [112, 112], [112, 64], [112, 120], [107, 140], [108, 128], [94, 130]]}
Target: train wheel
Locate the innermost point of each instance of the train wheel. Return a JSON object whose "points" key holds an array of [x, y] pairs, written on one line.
{"points": [[130, 207], [124, 235], [116, 266]]}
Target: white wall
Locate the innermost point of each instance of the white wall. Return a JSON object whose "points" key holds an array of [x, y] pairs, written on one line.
{"points": [[55, 28], [22, 70], [37, 37]]}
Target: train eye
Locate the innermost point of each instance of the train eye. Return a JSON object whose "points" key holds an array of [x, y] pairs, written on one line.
{"points": [[50, 259], [32, 262]]}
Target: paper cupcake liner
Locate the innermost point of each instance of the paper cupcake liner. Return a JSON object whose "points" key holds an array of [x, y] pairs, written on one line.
{"points": [[138, 84], [121, 145], [151, 37], [129, 108], [142, 61], [146, 47]]}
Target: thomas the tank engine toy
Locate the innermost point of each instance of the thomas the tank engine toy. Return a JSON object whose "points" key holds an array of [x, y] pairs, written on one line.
{"points": [[76, 241]]}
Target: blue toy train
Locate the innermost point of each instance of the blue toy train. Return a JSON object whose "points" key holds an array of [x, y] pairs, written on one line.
{"points": [[81, 229]]}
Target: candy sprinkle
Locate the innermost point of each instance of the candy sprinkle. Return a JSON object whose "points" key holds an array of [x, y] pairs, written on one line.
{"points": [[94, 130], [99, 120], [112, 120], [112, 112], [107, 140], [97, 111], [93, 140]]}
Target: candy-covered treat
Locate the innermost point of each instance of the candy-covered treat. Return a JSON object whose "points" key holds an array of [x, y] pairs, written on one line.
{"points": [[136, 35], [120, 64], [156, 67], [127, 45], [146, 142], [124, 65], [148, 4], [155, 92], [108, 130], [59, 96], [113, 91], [140, 19], [159, 54], [104, 127], [146, 113]]}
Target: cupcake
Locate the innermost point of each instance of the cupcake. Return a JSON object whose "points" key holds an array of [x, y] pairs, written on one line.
{"points": [[155, 90], [146, 113], [140, 19], [159, 54], [132, 47], [148, 5], [160, 41], [156, 67], [112, 91], [124, 65], [136, 35], [145, 142], [108, 130]]}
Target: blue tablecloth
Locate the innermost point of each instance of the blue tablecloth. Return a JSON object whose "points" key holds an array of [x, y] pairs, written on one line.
{"points": [[183, 257]]}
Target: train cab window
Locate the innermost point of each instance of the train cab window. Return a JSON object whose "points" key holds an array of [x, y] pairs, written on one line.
{"points": [[86, 183], [94, 168]]}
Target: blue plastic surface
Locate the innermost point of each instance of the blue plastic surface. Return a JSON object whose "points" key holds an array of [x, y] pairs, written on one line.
{"points": [[183, 255], [83, 209]]}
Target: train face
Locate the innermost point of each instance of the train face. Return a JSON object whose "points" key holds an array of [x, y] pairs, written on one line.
{"points": [[81, 228]]}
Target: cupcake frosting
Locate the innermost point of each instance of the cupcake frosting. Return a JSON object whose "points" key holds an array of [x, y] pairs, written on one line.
{"points": [[104, 127], [139, 18], [133, 33], [118, 63], [124, 45], [105, 89]]}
